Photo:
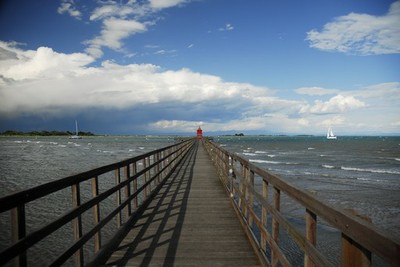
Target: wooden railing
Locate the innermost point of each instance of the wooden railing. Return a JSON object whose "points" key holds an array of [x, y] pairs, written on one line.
{"points": [[258, 196], [136, 179]]}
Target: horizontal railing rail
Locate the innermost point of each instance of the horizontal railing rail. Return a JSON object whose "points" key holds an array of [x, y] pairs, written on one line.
{"points": [[258, 196], [135, 180]]}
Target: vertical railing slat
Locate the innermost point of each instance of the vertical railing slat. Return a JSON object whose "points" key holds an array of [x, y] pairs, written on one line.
{"points": [[77, 223], [275, 226], [96, 213], [311, 234], [18, 231], [118, 196], [264, 216], [128, 208], [135, 185]]}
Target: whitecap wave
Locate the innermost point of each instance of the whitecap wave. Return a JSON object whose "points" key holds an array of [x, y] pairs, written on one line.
{"points": [[249, 154], [265, 161], [370, 170], [328, 166]]}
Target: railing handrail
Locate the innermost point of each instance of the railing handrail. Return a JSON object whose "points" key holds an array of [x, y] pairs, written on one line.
{"points": [[165, 160], [363, 232], [27, 195]]}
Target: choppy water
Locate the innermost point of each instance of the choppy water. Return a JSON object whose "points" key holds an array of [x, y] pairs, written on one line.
{"points": [[27, 161], [361, 173]]}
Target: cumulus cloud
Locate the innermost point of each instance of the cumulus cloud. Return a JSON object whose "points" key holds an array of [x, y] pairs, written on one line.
{"points": [[119, 21], [68, 6], [360, 34], [159, 4], [45, 82], [337, 104], [113, 32]]}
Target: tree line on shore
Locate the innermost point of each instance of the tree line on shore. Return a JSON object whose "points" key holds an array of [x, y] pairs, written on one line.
{"points": [[44, 133]]}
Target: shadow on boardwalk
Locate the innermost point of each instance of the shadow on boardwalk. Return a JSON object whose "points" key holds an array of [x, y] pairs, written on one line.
{"points": [[190, 222]]}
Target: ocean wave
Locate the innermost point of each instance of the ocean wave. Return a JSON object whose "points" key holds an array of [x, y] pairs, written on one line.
{"points": [[265, 161], [328, 166], [249, 154], [260, 152], [373, 180], [370, 170]]}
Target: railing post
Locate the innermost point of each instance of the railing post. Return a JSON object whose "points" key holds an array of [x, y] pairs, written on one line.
{"points": [[154, 169], [18, 231], [264, 215], [241, 185], [77, 223], [159, 177], [145, 177], [311, 234], [275, 226], [135, 185], [96, 213], [353, 254], [128, 209], [251, 196], [118, 196]]}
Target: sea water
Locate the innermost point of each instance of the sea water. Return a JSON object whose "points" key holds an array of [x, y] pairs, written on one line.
{"points": [[26, 162], [359, 173]]}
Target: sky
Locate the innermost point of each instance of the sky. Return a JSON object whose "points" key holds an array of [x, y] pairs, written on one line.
{"points": [[229, 66]]}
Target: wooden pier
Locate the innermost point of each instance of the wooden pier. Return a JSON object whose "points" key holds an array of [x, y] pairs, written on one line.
{"points": [[190, 222], [189, 204]]}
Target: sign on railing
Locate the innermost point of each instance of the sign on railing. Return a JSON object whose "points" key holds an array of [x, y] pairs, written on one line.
{"points": [[281, 240]]}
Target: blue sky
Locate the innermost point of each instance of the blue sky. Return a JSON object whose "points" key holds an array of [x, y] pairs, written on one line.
{"points": [[168, 66]]}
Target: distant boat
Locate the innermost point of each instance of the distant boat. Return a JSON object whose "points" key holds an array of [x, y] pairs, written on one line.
{"points": [[76, 136], [330, 134]]}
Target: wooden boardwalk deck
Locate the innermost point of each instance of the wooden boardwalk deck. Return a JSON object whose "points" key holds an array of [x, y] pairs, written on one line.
{"points": [[189, 223]]}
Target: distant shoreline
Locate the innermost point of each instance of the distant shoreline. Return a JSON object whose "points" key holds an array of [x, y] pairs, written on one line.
{"points": [[45, 133]]}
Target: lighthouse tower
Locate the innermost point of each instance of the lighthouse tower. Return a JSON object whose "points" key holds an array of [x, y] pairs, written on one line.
{"points": [[199, 133]]}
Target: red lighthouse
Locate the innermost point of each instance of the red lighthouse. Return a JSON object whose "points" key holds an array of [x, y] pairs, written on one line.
{"points": [[199, 133]]}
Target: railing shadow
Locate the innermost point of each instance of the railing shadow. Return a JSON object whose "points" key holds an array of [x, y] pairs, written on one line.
{"points": [[163, 217]]}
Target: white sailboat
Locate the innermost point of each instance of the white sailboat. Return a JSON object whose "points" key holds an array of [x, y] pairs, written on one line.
{"points": [[330, 134], [76, 136]]}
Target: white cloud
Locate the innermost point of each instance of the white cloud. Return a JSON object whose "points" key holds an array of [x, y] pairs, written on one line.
{"points": [[120, 11], [113, 32], [228, 27], [315, 91], [337, 104], [160, 4], [44, 62], [360, 34], [68, 6], [43, 81]]}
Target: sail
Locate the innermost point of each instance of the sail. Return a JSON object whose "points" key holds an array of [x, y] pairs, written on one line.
{"points": [[330, 134], [76, 136]]}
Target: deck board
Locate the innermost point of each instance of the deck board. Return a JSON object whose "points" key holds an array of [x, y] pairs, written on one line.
{"points": [[189, 223]]}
